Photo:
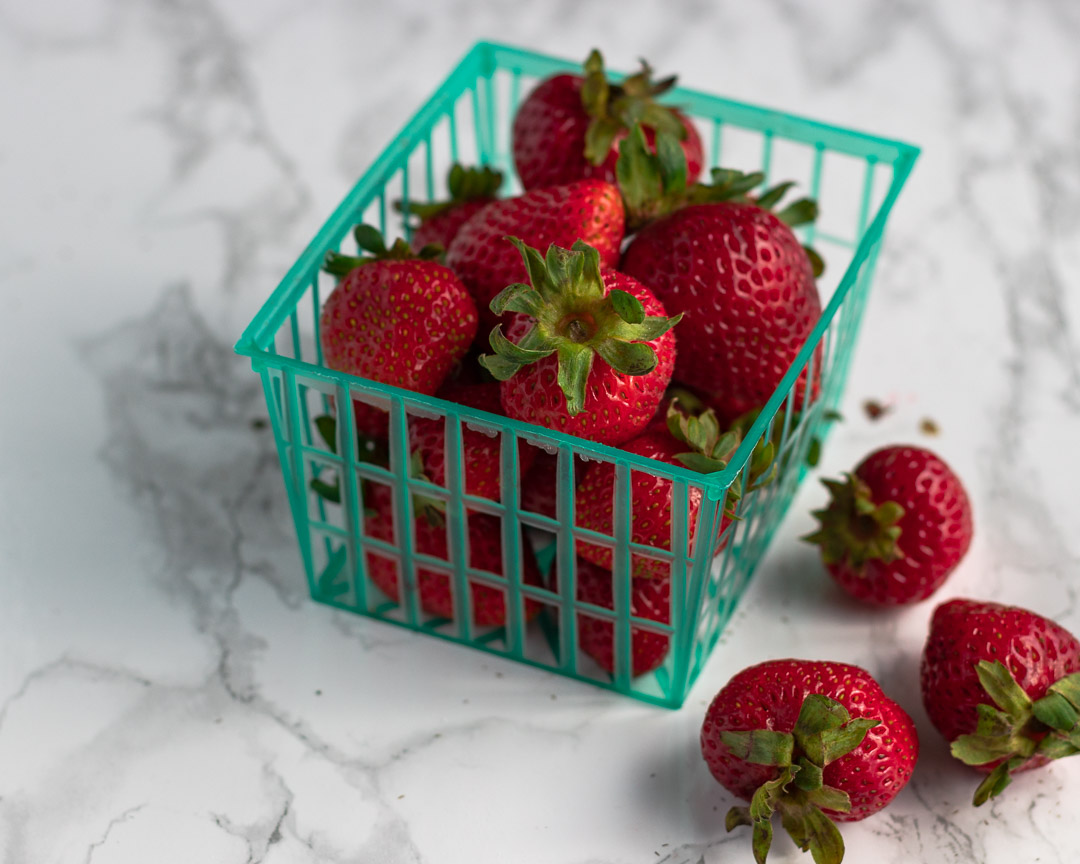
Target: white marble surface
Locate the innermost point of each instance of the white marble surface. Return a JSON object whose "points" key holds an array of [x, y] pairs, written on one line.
{"points": [[167, 691]]}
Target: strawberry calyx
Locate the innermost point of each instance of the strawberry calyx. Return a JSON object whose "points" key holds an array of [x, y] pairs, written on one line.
{"points": [[711, 448], [615, 107], [654, 184], [824, 732], [743, 422], [574, 318], [463, 184], [1018, 729], [371, 241], [367, 450], [854, 530]]}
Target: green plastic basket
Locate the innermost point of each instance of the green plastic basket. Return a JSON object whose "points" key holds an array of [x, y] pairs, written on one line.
{"points": [[856, 179]]}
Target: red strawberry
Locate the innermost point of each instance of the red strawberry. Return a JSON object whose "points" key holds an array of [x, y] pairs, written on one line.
{"points": [[590, 352], [895, 528], [569, 127], [588, 210], [650, 505], [649, 599], [1002, 684], [480, 452], [396, 319], [695, 442], [435, 587], [733, 267], [748, 292], [481, 395], [471, 189], [818, 741], [538, 487], [442, 228]]}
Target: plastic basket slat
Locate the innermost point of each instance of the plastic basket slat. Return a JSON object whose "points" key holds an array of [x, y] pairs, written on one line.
{"points": [[404, 532], [815, 187], [566, 560], [620, 574], [766, 155], [352, 499], [457, 523], [680, 646], [511, 542]]}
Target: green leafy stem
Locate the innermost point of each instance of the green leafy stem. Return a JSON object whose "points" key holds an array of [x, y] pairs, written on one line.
{"points": [[824, 732], [1019, 729]]}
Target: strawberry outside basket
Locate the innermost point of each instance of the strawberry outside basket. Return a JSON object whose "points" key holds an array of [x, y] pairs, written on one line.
{"points": [[856, 179]]}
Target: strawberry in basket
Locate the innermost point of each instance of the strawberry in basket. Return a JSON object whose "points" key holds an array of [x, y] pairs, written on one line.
{"points": [[539, 487], [896, 527], [570, 126], [429, 524], [471, 189], [696, 442], [480, 453], [435, 587], [1002, 684], [480, 461], [814, 741], [590, 211], [590, 351], [649, 599], [394, 317], [730, 264]]}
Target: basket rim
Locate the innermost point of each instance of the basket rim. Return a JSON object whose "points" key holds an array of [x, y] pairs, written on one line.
{"points": [[711, 484], [481, 61]]}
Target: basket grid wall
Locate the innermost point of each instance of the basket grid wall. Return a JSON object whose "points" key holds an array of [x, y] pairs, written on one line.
{"points": [[856, 179]]}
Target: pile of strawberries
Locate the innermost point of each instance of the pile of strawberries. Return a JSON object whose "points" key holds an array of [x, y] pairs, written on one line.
{"points": [[617, 299], [621, 300]]}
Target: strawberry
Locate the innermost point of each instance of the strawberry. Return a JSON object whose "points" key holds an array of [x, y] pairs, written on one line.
{"points": [[1002, 684], [480, 452], [733, 267], [695, 442], [590, 352], [436, 587], [539, 489], [394, 318], [538, 486], [471, 189], [896, 527], [649, 599], [429, 537], [818, 741], [588, 210], [570, 126]]}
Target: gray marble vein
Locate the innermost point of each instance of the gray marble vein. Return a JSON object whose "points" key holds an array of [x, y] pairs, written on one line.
{"points": [[97, 844]]}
